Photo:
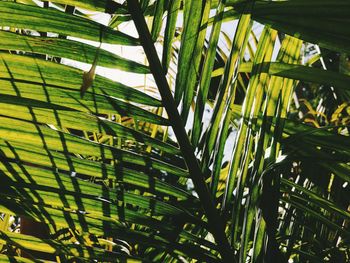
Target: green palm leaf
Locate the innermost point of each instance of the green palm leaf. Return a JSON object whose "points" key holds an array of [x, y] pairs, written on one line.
{"points": [[247, 162]]}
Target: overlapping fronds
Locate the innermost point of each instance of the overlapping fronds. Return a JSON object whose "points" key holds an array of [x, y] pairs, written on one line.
{"points": [[239, 154]]}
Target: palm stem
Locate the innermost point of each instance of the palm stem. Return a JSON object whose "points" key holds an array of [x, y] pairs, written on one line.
{"points": [[186, 148]]}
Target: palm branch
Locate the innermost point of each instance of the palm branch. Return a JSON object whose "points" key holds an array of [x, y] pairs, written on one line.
{"points": [[97, 170]]}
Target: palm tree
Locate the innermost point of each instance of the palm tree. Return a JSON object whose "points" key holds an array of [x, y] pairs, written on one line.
{"points": [[96, 170]]}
